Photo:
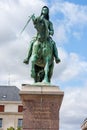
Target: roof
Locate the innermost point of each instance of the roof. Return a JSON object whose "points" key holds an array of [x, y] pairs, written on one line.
{"points": [[9, 93], [84, 125]]}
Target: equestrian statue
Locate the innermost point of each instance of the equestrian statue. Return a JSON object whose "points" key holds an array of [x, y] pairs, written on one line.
{"points": [[42, 49]]}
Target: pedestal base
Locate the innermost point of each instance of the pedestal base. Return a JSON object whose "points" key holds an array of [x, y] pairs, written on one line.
{"points": [[41, 105]]}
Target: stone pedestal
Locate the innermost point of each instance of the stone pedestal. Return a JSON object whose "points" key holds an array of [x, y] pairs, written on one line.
{"points": [[41, 105]]}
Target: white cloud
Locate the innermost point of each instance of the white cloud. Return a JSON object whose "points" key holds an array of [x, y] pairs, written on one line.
{"points": [[74, 67], [15, 15], [77, 35], [74, 19], [73, 13], [73, 109], [71, 66], [60, 34]]}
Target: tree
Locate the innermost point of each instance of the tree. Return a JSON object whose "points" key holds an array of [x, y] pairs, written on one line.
{"points": [[11, 128]]}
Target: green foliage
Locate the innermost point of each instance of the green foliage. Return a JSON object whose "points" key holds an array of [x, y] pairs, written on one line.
{"points": [[11, 128], [19, 128]]}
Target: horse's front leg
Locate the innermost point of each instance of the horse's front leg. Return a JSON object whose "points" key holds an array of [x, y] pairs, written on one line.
{"points": [[33, 61], [46, 69]]}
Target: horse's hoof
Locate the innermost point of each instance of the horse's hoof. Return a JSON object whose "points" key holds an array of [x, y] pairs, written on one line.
{"points": [[26, 61], [46, 81], [57, 60]]}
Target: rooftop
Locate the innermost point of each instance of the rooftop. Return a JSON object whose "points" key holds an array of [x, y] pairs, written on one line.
{"points": [[9, 93]]}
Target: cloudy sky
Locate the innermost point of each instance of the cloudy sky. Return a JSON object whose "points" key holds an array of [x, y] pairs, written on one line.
{"points": [[69, 18]]}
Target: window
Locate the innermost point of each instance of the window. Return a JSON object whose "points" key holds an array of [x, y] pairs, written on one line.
{"points": [[0, 122], [20, 108], [1, 108], [20, 122]]}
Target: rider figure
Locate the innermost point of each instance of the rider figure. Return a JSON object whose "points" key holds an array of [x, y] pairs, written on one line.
{"points": [[45, 15]]}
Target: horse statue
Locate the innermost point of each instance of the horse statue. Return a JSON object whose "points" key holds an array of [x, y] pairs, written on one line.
{"points": [[42, 58]]}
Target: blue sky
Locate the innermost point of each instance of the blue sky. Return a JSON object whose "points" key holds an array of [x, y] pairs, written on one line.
{"points": [[79, 2], [69, 18]]}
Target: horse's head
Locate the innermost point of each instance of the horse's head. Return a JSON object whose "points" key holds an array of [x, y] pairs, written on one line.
{"points": [[41, 26]]}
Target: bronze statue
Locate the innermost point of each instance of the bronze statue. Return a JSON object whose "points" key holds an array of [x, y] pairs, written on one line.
{"points": [[42, 50]]}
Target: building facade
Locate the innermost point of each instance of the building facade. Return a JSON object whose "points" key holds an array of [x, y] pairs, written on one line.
{"points": [[10, 107], [84, 125]]}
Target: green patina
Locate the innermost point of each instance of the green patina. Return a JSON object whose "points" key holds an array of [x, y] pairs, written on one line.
{"points": [[42, 49]]}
